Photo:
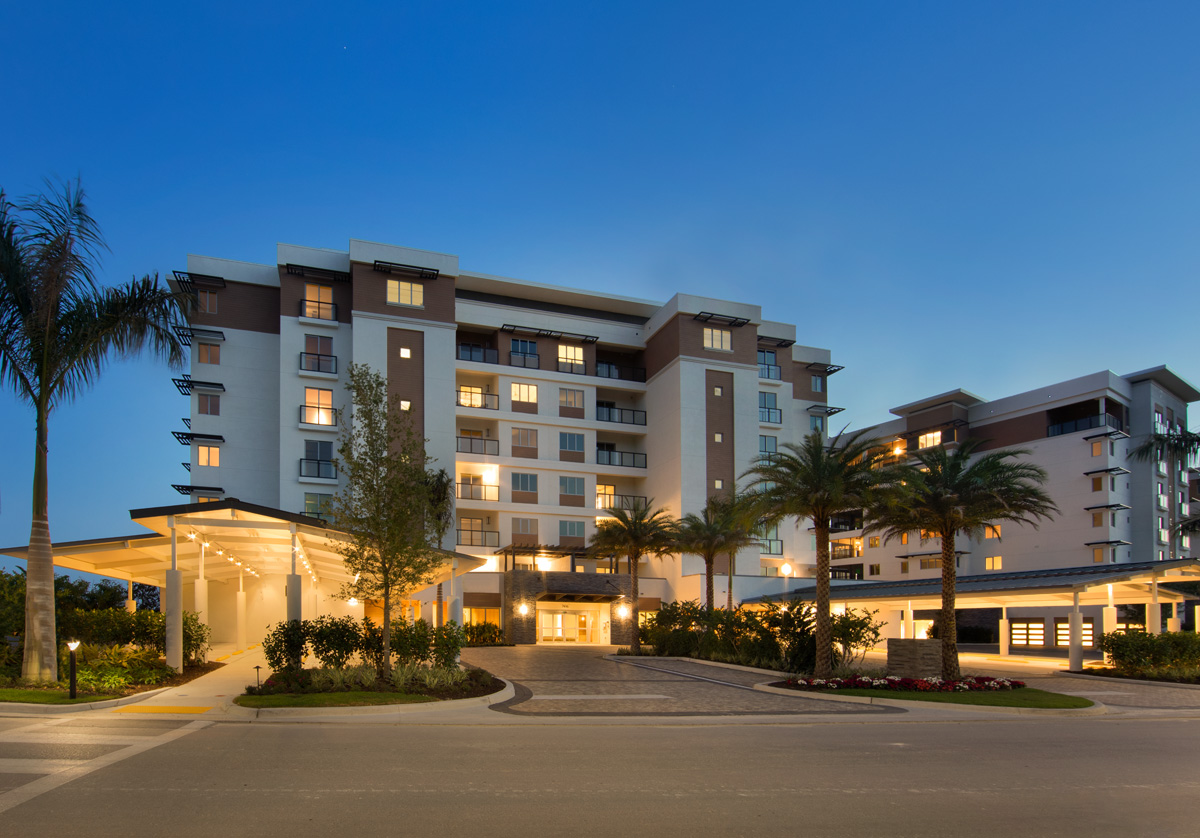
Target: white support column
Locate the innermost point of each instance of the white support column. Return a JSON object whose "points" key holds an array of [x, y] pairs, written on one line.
{"points": [[1075, 652], [201, 590], [130, 602], [173, 604], [1153, 612], [241, 611], [910, 624], [1005, 630], [1175, 622], [294, 604], [453, 568], [1196, 619]]}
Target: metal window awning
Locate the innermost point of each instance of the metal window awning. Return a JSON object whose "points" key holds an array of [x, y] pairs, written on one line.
{"points": [[317, 273], [1113, 506], [1114, 434], [184, 489], [824, 409], [548, 333], [397, 268], [549, 596], [824, 369], [187, 384], [1112, 470], [931, 553], [723, 319], [782, 343], [187, 438], [188, 281], [1113, 543], [186, 333]]}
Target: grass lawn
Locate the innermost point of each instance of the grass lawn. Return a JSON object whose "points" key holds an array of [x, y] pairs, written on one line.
{"points": [[1023, 697], [46, 696], [340, 699]]}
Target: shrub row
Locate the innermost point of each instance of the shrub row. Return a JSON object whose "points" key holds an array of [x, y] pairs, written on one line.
{"points": [[1137, 653], [335, 640]]}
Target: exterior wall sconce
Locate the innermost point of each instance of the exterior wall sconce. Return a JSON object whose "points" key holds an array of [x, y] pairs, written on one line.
{"points": [[623, 611], [523, 609]]}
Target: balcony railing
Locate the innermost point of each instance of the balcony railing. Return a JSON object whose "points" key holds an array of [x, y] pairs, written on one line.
{"points": [[770, 371], [312, 362], [772, 415], [469, 398], [621, 415], [478, 491], [572, 367], [524, 359], [604, 369], [1086, 423], [317, 310], [476, 445], [315, 414], [479, 354], [320, 516], [318, 468], [478, 538], [620, 501], [628, 459], [771, 546]]}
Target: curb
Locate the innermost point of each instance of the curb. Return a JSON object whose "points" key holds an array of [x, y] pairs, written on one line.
{"points": [[52, 709], [1109, 679], [1097, 709], [282, 713]]}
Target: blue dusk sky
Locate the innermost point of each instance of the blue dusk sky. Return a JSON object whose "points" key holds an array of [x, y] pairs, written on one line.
{"points": [[994, 196]]}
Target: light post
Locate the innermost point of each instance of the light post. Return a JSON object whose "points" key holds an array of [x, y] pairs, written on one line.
{"points": [[72, 645]]}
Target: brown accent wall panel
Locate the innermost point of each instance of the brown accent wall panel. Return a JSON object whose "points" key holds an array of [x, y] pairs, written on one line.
{"points": [[242, 305], [524, 407], [649, 603], [684, 335], [291, 293], [718, 418], [571, 456], [662, 347], [940, 415], [801, 378], [571, 542], [481, 599], [524, 539], [525, 452], [370, 294], [570, 500], [524, 497], [570, 412], [406, 376], [1015, 431]]}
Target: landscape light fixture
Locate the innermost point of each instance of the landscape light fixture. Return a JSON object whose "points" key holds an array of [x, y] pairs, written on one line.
{"points": [[257, 679], [72, 645]]}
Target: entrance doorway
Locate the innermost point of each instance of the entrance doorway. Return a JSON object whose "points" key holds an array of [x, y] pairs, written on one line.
{"points": [[574, 626]]}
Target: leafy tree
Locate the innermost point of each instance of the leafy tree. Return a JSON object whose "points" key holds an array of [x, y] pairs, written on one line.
{"points": [[146, 596], [635, 533], [817, 481], [58, 330], [387, 509], [1179, 447], [949, 491], [721, 527]]}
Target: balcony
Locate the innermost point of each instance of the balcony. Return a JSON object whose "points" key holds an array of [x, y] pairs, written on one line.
{"points": [[478, 354], [620, 501], [627, 459], [324, 517], [620, 415], [772, 415], [477, 491], [318, 468], [475, 445], [317, 310], [524, 359], [312, 362], [1086, 423], [315, 414], [470, 398], [604, 369], [478, 538], [769, 371], [572, 367], [771, 546]]}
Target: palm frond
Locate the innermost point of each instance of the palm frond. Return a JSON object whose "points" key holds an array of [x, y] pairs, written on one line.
{"points": [[1181, 446]]}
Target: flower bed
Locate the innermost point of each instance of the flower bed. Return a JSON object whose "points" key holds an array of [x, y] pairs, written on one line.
{"points": [[897, 684]]}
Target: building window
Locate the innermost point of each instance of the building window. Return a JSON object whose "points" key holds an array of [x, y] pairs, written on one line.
{"points": [[904, 567], [817, 424], [768, 408], [1097, 519], [1097, 484], [718, 339], [718, 437], [818, 384], [208, 353], [872, 570], [931, 562], [525, 526], [930, 439], [206, 498], [993, 562], [570, 359], [873, 541], [206, 302], [524, 348], [401, 293], [209, 405], [469, 396], [405, 404], [318, 505], [405, 352], [318, 301], [718, 391], [524, 482], [1098, 555], [718, 483], [570, 529], [992, 531], [208, 455], [570, 442], [903, 538], [570, 485], [524, 393], [524, 438], [1097, 448], [318, 406], [570, 398]]}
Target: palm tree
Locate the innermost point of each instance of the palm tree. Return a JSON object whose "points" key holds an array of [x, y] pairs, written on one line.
{"points": [[58, 330], [634, 533], [1180, 447], [721, 527], [948, 491], [818, 480]]}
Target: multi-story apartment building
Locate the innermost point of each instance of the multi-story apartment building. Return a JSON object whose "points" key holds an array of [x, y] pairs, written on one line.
{"points": [[550, 405], [1114, 508]]}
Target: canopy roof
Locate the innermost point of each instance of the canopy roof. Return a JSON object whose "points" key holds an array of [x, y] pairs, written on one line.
{"points": [[240, 537]]}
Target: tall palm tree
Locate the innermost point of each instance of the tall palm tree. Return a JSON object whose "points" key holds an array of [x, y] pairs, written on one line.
{"points": [[1180, 447], [818, 480], [949, 491], [635, 533], [58, 330], [721, 527]]}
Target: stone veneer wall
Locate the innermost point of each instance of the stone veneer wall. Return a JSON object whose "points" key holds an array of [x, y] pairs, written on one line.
{"points": [[526, 586], [914, 658]]}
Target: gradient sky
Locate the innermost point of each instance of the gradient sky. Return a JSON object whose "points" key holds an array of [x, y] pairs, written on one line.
{"points": [[994, 196]]}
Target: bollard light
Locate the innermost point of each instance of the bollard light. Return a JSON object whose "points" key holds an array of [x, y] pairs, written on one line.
{"points": [[72, 645], [257, 679]]}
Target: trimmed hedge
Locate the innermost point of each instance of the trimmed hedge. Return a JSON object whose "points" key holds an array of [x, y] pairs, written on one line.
{"points": [[1134, 652], [333, 641]]}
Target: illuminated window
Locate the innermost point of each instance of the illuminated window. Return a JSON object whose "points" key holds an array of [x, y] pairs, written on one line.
{"points": [[1097, 519], [1097, 448], [992, 531], [872, 570], [718, 484], [931, 563], [1098, 555], [208, 353], [208, 455], [524, 393], [930, 439], [718, 437], [206, 302], [904, 567], [1097, 484], [469, 396], [209, 405], [405, 404], [873, 541], [401, 293], [718, 339], [903, 538], [993, 562], [570, 398], [405, 352], [318, 301], [318, 406], [572, 356]]}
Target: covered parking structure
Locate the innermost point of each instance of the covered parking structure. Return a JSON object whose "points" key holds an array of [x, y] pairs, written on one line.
{"points": [[240, 566], [1066, 591]]}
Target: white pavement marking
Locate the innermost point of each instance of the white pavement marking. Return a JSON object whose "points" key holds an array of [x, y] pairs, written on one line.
{"points": [[591, 697], [68, 738], [36, 766], [27, 792]]}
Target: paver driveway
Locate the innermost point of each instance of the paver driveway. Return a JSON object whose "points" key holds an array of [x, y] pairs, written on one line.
{"points": [[580, 681]]}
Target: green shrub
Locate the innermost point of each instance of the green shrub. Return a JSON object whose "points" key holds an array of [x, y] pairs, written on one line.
{"points": [[482, 634], [334, 640], [1137, 653], [286, 645], [412, 641], [446, 645]]}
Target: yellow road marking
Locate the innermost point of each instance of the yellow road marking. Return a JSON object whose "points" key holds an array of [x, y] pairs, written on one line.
{"points": [[223, 657], [160, 708]]}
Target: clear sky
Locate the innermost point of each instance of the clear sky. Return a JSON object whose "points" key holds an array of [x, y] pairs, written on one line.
{"points": [[993, 196]]}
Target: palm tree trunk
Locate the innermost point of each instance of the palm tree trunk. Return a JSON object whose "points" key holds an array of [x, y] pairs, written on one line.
{"points": [[708, 580], [635, 645], [947, 624], [729, 593], [41, 648], [823, 666]]}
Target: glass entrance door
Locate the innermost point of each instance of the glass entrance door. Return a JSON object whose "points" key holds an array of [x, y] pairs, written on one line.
{"points": [[568, 626]]}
